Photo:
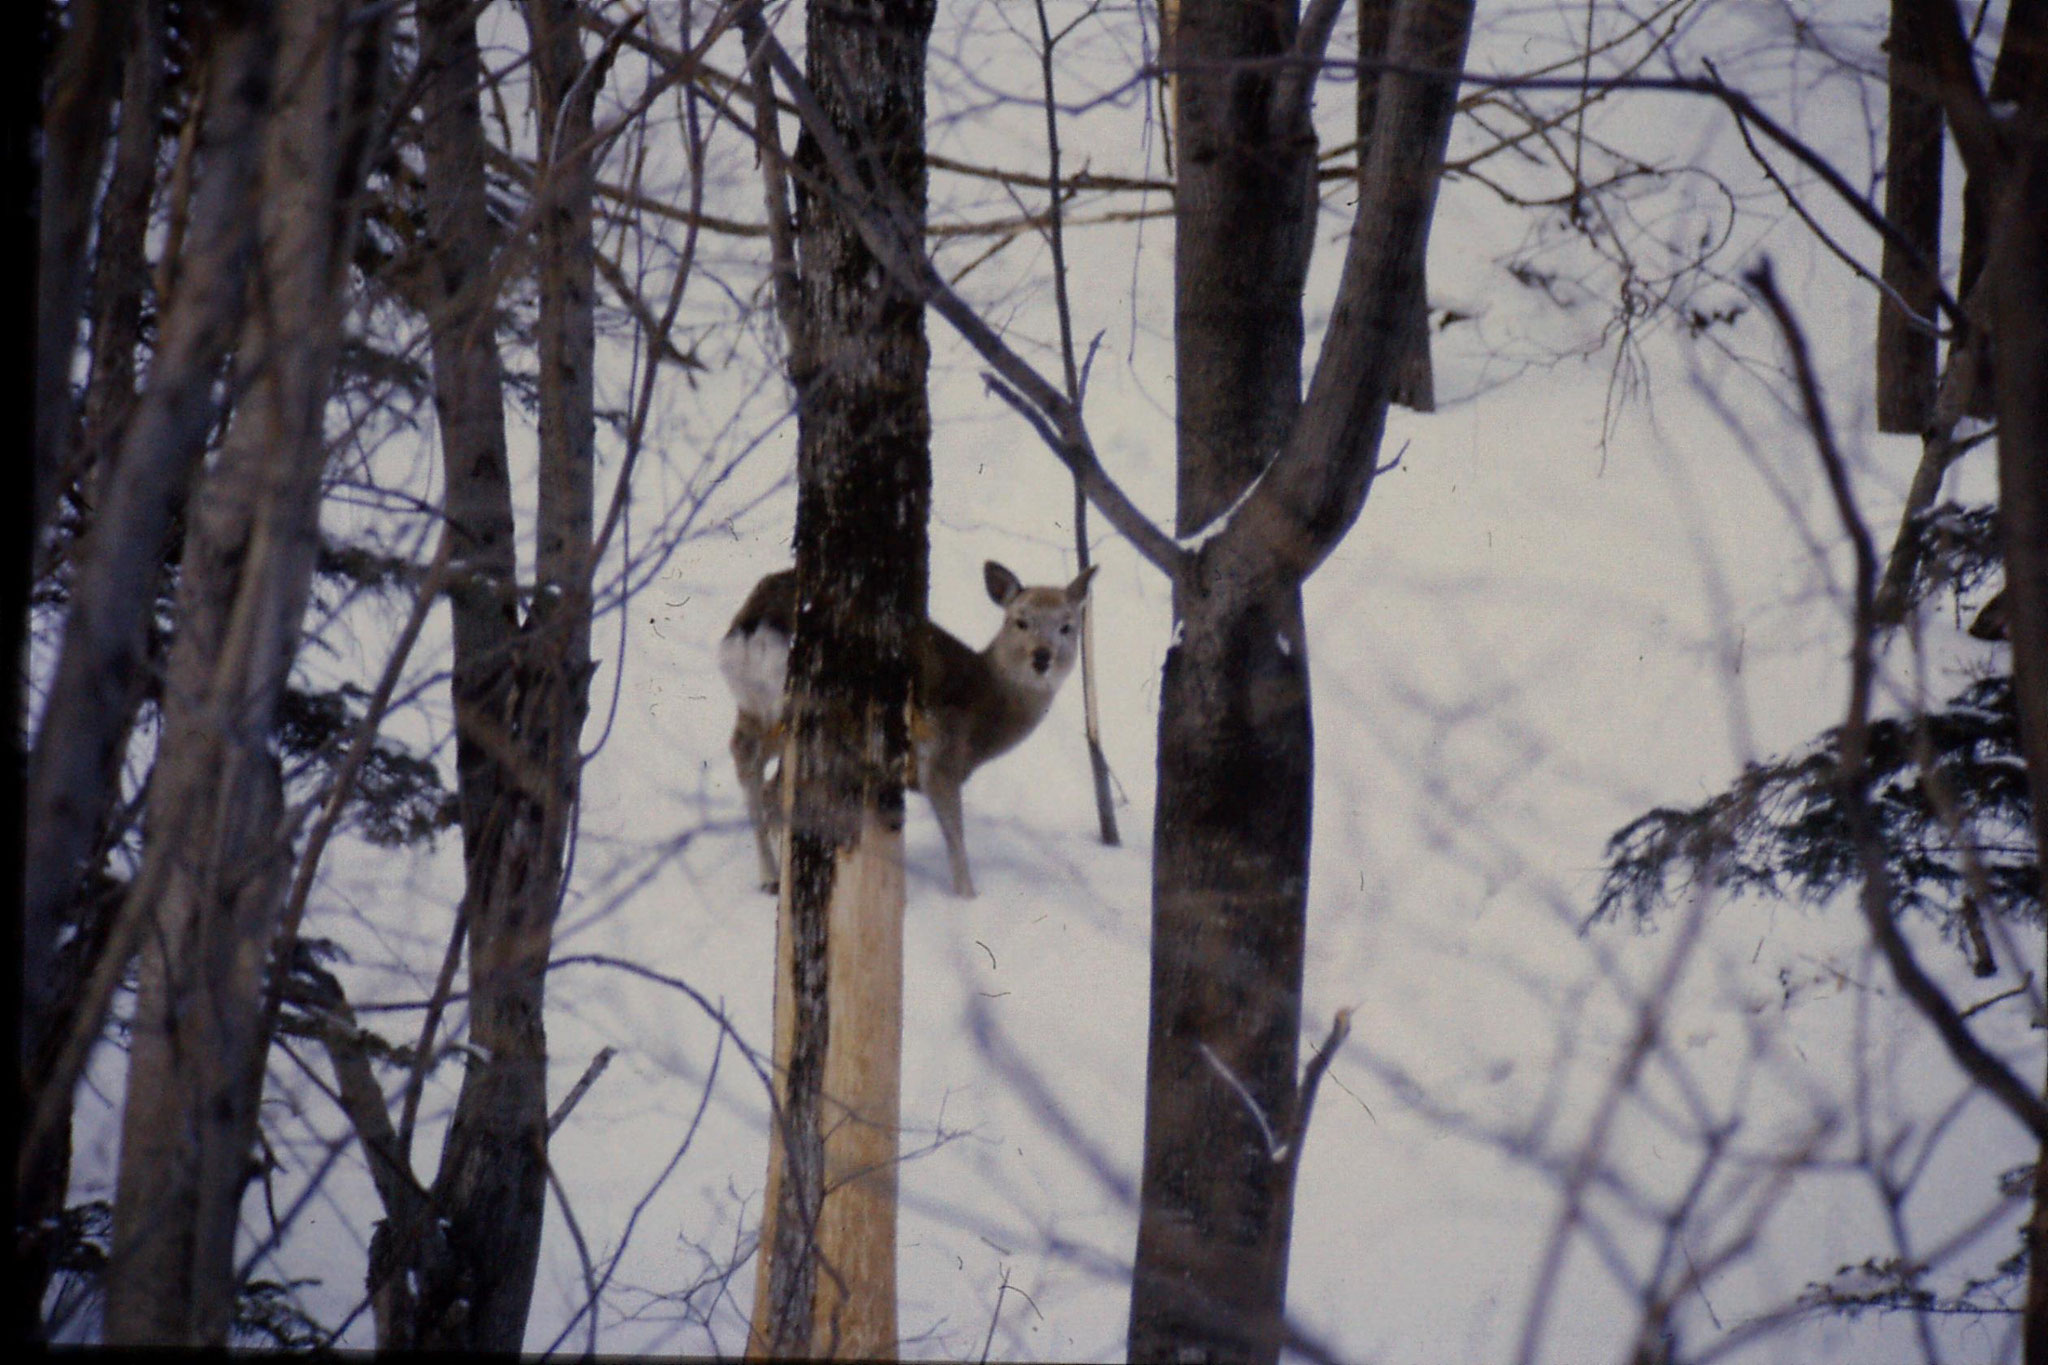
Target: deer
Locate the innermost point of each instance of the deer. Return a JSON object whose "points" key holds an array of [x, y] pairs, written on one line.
{"points": [[966, 708]]}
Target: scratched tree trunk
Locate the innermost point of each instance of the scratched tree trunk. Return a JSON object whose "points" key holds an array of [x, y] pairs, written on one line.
{"points": [[216, 855], [1231, 831], [826, 1281], [521, 694]]}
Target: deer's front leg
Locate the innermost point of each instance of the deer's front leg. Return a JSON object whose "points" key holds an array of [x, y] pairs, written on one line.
{"points": [[944, 791]]}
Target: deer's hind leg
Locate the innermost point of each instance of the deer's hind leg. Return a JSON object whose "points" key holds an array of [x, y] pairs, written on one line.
{"points": [[755, 744]]}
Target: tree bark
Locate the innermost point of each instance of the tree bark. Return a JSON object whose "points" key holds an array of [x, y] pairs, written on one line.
{"points": [[76, 118], [1223, 1108], [414, 1280], [1415, 385], [102, 662], [216, 858], [528, 694], [1906, 344], [2018, 260], [120, 277], [826, 1279], [1244, 225]]}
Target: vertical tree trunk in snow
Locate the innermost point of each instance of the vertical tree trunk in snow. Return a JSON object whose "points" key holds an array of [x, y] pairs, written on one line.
{"points": [[216, 859], [1912, 200], [1415, 386], [528, 694], [413, 1278], [1231, 832], [826, 1281]]}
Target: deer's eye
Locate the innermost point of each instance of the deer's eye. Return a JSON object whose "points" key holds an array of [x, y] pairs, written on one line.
{"points": [[1020, 624], [1066, 630]]}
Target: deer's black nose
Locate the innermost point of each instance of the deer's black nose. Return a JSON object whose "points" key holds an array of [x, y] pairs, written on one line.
{"points": [[1041, 658]]}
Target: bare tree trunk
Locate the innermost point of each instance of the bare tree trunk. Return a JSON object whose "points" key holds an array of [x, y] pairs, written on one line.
{"points": [[102, 662], [120, 283], [826, 1284], [1906, 345], [1223, 1108], [2019, 265], [488, 1195], [413, 1277], [1236, 750], [75, 123], [1415, 385], [216, 858]]}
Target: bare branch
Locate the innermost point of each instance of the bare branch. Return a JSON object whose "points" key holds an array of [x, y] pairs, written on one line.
{"points": [[880, 226], [1977, 1061]]}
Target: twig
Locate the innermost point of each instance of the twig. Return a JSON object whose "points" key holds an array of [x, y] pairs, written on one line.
{"points": [[577, 1091]]}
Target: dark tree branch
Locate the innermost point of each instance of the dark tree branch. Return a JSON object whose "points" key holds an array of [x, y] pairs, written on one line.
{"points": [[1977, 1061], [880, 225]]}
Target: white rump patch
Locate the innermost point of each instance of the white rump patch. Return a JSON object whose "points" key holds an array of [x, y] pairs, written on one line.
{"points": [[755, 666]]}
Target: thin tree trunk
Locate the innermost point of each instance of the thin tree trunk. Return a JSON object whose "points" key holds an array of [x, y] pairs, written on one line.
{"points": [[1415, 385], [413, 1277], [120, 282], [489, 1192], [1906, 345], [216, 860], [2021, 66], [75, 123], [103, 660], [826, 1282]]}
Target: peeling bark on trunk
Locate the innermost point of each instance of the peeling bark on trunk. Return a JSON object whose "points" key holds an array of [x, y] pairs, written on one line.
{"points": [[826, 1281], [1223, 1106], [216, 858]]}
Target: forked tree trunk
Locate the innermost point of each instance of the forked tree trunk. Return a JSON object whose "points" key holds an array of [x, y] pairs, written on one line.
{"points": [[1231, 831], [216, 854], [1231, 836], [522, 694], [826, 1277], [413, 1275]]}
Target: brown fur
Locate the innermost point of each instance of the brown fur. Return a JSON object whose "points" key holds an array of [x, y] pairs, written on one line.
{"points": [[966, 707]]}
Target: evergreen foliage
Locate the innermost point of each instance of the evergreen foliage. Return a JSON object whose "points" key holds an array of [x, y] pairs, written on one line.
{"points": [[1948, 793]]}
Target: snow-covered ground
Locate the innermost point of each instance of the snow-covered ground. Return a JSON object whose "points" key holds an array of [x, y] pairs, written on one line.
{"points": [[1557, 612]]}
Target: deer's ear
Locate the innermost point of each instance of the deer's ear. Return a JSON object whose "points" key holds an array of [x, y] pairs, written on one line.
{"points": [[1078, 589], [1002, 584]]}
